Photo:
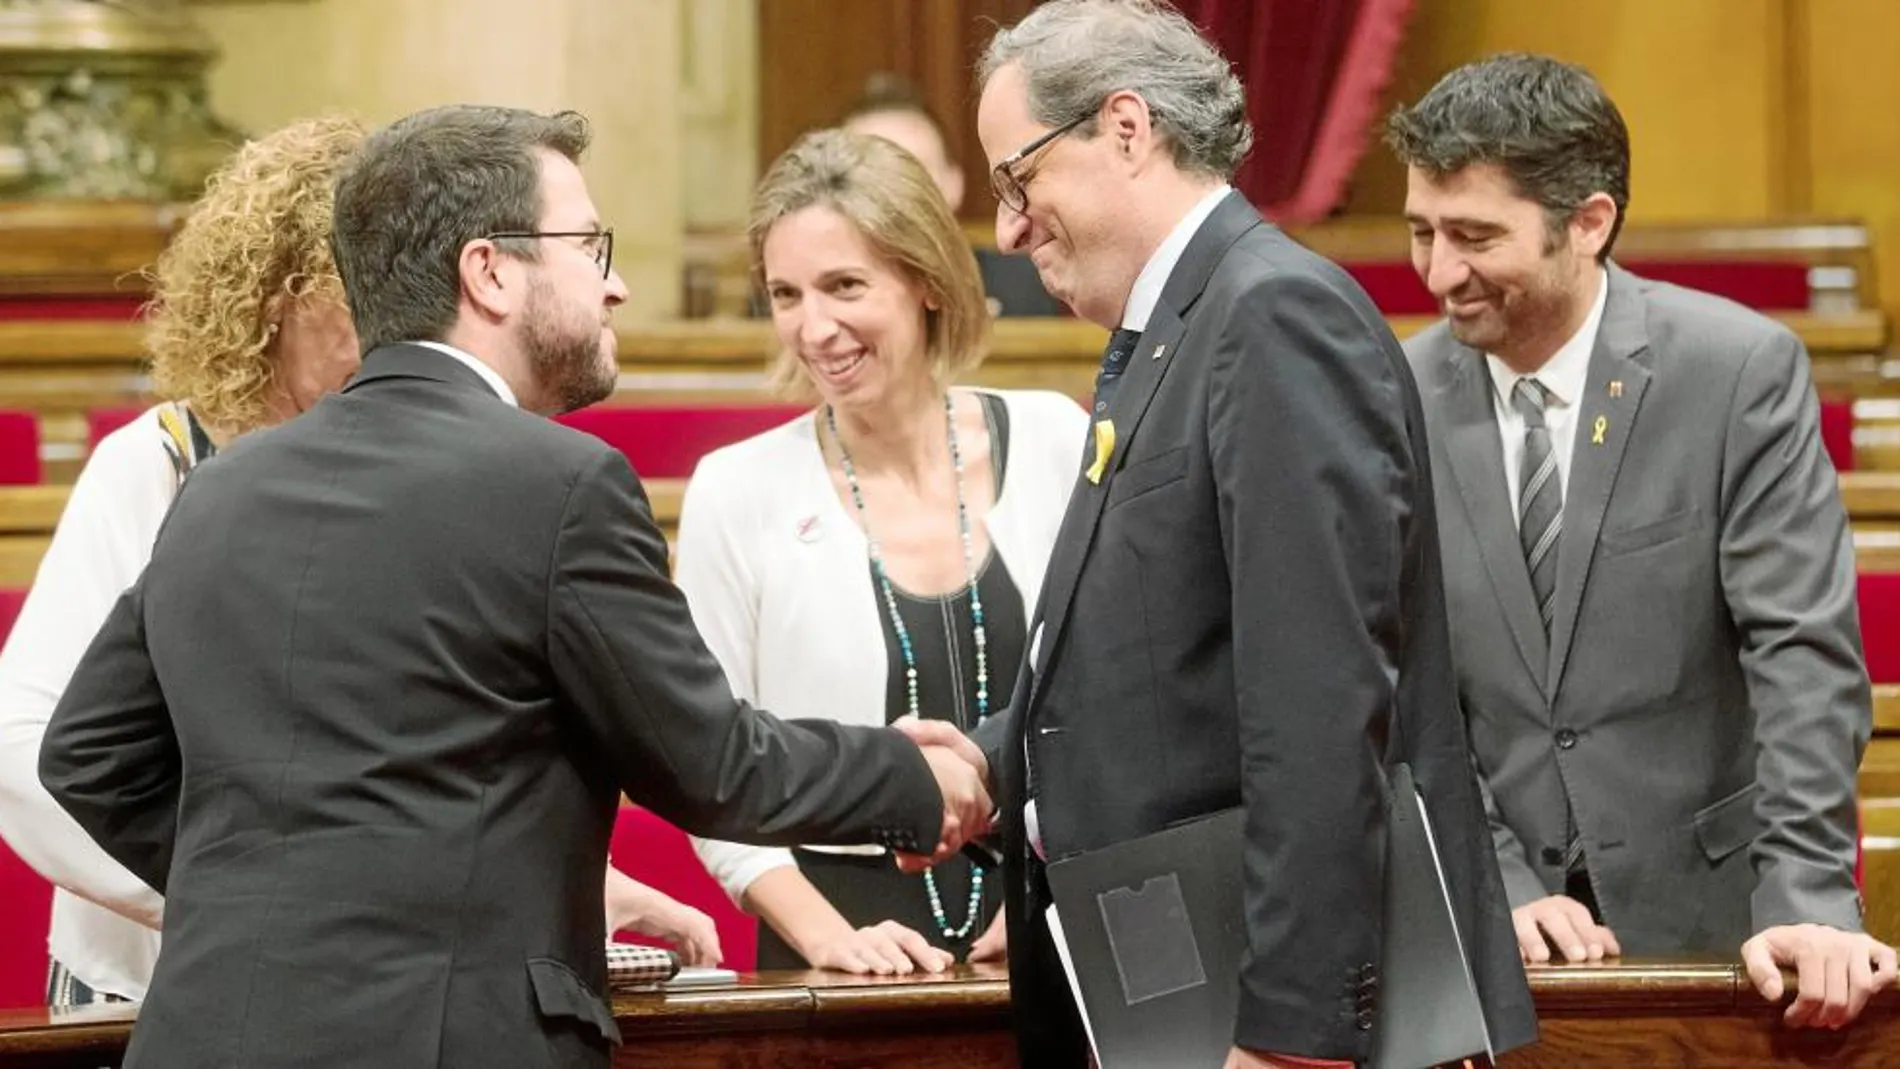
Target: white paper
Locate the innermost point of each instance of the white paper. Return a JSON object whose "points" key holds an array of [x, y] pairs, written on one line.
{"points": [[1075, 987]]}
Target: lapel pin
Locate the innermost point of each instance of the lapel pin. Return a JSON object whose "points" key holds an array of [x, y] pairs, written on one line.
{"points": [[1596, 430], [1159, 349], [1104, 445], [809, 529], [1616, 387]]}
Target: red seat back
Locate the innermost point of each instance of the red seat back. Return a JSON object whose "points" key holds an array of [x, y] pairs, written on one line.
{"points": [[659, 855], [1837, 433], [19, 448], [27, 898], [1764, 285], [666, 443], [103, 421], [1880, 624]]}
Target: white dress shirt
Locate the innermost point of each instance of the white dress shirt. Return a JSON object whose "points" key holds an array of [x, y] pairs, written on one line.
{"points": [[1562, 377], [488, 374]]}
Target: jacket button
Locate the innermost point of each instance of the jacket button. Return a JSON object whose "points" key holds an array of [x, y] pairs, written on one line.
{"points": [[1566, 738], [1365, 1020]]}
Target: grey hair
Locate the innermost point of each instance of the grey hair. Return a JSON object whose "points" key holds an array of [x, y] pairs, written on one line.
{"points": [[1074, 53]]}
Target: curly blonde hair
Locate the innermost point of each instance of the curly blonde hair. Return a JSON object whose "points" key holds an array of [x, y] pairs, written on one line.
{"points": [[258, 239]]}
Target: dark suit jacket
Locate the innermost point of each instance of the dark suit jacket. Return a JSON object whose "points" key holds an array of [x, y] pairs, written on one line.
{"points": [[366, 718], [1247, 609], [1701, 704]]}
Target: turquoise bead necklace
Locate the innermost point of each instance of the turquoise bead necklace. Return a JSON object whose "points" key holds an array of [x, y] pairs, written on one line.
{"points": [[903, 637]]}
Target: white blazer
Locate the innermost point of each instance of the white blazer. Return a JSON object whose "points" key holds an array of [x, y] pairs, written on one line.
{"points": [[778, 575]]}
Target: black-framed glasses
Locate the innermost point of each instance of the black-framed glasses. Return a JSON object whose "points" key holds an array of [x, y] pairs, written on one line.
{"points": [[1003, 179], [602, 242]]}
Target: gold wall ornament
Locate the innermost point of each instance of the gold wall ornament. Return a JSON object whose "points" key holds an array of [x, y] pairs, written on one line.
{"points": [[105, 99]]}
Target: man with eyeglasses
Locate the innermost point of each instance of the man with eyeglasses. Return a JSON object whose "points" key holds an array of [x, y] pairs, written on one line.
{"points": [[367, 717], [1244, 602]]}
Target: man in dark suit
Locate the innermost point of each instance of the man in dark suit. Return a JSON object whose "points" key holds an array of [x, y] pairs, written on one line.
{"points": [[1649, 569], [367, 716], [1244, 606]]}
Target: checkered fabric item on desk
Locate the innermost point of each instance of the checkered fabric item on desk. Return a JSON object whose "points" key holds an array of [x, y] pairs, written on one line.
{"points": [[638, 968]]}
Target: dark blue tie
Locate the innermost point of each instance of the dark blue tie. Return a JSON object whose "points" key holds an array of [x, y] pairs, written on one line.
{"points": [[1121, 346]]}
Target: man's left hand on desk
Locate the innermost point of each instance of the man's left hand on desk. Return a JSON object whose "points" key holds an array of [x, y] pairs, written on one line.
{"points": [[1836, 971]]}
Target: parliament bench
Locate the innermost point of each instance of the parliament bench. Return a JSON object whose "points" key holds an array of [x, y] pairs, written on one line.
{"points": [[1614, 1015], [62, 370]]}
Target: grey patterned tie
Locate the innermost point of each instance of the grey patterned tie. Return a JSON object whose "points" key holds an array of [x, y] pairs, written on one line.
{"points": [[1540, 501]]}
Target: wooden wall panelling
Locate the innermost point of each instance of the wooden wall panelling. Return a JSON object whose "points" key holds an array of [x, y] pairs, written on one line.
{"points": [[815, 56]]}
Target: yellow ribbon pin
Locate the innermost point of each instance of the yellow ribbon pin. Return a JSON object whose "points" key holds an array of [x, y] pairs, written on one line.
{"points": [[1104, 446], [1596, 430]]}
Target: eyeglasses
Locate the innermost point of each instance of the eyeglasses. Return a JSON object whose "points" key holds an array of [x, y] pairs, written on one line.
{"points": [[1003, 179], [603, 242]]}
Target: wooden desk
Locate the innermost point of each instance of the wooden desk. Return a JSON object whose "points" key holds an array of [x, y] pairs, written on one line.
{"points": [[1654, 1015]]}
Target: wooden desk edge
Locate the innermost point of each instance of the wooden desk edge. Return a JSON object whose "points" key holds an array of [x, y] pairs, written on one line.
{"points": [[979, 996]]}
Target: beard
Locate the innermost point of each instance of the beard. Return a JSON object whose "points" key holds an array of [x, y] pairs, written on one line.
{"points": [[1543, 303], [565, 353]]}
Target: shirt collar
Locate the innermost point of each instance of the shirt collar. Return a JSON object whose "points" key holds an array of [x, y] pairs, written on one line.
{"points": [[1563, 375], [495, 382], [1154, 275]]}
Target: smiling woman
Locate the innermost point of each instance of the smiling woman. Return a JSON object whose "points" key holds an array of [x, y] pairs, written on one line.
{"points": [[876, 559]]}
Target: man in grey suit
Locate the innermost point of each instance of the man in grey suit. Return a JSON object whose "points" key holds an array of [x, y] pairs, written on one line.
{"points": [[1650, 577], [367, 716]]}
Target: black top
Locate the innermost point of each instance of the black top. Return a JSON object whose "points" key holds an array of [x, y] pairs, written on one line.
{"points": [[943, 633]]}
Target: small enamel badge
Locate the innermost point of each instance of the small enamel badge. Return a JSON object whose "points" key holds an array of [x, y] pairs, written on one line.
{"points": [[1596, 430]]}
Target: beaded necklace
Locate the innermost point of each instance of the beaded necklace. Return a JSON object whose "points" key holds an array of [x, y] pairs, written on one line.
{"points": [[904, 645]]}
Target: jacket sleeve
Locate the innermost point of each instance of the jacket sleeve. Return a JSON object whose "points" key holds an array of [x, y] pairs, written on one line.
{"points": [[716, 574], [1787, 564], [110, 757], [1312, 468], [646, 691]]}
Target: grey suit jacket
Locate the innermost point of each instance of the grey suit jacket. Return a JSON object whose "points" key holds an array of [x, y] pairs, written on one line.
{"points": [[366, 719], [1701, 701]]}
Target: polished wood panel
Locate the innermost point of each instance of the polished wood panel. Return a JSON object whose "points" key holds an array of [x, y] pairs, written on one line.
{"points": [[822, 51], [1654, 1014]]}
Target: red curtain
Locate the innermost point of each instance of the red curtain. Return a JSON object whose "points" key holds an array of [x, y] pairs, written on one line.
{"points": [[1315, 71]]}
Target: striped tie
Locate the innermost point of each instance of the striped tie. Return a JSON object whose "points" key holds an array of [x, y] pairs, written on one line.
{"points": [[1540, 502]]}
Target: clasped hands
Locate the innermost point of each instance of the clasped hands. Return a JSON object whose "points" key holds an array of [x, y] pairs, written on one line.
{"points": [[1836, 971], [962, 774]]}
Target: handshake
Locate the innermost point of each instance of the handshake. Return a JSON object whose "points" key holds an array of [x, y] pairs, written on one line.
{"points": [[963, 777]]}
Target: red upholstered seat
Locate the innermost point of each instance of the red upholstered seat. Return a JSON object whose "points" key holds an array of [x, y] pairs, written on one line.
{"points": [[103, 421], [19, 448], [1764, 285], [1837, 433], [28, 898], [658, 854], [1880, 624], [665, 443]]}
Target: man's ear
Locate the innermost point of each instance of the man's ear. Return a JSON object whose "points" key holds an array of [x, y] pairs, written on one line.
{"points": [[491, 280], [1591, 224], [1126, 122]]}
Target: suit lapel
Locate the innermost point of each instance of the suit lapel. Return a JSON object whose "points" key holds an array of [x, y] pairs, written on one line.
{"points": [[1477, 465], [1136, 390], [1606, 416], [1230, 219]]}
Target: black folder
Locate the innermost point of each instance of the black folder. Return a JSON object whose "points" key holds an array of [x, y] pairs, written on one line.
{"points": [[1154, 928]]}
